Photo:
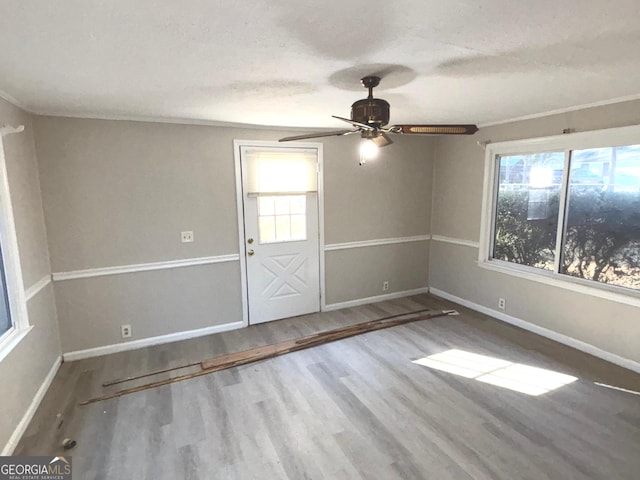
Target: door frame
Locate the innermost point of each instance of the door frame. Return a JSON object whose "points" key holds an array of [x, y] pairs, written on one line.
{"points": [[242, 245]]}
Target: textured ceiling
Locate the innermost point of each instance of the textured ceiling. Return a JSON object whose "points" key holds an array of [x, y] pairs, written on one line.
{"points": [[295, 63]]}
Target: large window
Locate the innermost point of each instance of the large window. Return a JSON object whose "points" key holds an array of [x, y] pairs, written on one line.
{"points": [[567, 207]]}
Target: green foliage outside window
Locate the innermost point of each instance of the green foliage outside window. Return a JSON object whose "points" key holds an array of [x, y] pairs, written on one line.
{"points": [[601, 241], [522, 241]]}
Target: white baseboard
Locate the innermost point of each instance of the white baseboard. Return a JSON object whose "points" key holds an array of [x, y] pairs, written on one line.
{"points": [[148, 342], [31, 410], [377, 298], [544, 332]]}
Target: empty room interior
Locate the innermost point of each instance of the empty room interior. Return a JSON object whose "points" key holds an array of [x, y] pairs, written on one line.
{"points": [[341, 240]]}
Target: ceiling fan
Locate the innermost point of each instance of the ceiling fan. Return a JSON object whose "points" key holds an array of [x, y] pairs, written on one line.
{"points": [[370, 116]]}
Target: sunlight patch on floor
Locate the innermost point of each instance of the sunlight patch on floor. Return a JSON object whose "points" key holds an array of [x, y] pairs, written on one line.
{"points": [[496, 371]]}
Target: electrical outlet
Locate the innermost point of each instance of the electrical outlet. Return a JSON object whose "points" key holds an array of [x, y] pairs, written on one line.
{"points": [[186, 237], [502, 303], [385, 285], [126, 331]]}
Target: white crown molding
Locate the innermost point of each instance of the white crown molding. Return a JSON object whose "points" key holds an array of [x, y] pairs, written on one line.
{"points": [[455, 241], [376, 242], [218, 123], [149, 342], [544, 332], [37, 287], [559, 111], [175, 121], [15, 102], [31, 410], [143, 267], [378, 298]]}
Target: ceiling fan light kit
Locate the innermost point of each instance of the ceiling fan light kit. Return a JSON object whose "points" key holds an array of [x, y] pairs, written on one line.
{"points": [[369, 118], [368, 150]]}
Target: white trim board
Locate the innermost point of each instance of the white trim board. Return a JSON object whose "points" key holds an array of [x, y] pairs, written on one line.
{"points": [[143, 267], [15, 437], [378, 298], [455, 241], [376, 242], [542, 331], [37, 287], [149, 342], [549, 113]]}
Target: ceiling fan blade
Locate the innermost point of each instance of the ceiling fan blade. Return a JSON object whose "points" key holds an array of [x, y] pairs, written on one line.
{"points": [[317, 135], [354, 123], [436, 129], [382, 140]]}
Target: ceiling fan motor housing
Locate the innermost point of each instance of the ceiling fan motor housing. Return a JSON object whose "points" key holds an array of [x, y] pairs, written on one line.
{"points": [[372, 111]]}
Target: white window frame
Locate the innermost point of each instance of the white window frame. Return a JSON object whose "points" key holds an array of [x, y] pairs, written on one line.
{"points": [[611, 137], [12, 269]]}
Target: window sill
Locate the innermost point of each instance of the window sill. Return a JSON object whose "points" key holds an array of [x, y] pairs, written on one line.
{"points": [[12, 340], [557, 280]]}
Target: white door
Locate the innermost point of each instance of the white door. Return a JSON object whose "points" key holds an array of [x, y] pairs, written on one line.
{"points": [[281, 234]]}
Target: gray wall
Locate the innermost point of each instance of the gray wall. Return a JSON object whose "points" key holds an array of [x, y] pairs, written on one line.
{"points": [[25, 368], [457, 193], [119, 193], [385, 198]]}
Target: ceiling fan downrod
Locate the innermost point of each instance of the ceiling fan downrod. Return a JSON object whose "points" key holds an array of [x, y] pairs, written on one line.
{"points": [[370, 82]]}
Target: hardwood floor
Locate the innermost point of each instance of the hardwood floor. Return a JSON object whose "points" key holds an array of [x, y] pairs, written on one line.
{"points": [[357, 408]]}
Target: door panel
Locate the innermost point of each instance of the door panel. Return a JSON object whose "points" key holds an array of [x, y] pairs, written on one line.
{"points": [[281, 254]]}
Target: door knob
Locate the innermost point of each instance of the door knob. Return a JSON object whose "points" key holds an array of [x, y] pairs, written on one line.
{"points": [[250, 253]]}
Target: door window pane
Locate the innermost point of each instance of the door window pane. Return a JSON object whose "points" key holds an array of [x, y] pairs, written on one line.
{"points": [[267, 229], [282, 205], [299, 205], [602, 232], [282, 218], [528, 202], [283, 227], [298, 227], [266, 206]]}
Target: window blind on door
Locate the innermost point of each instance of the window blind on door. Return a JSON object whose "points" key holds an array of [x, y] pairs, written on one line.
{"points": [[279, 172]]}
